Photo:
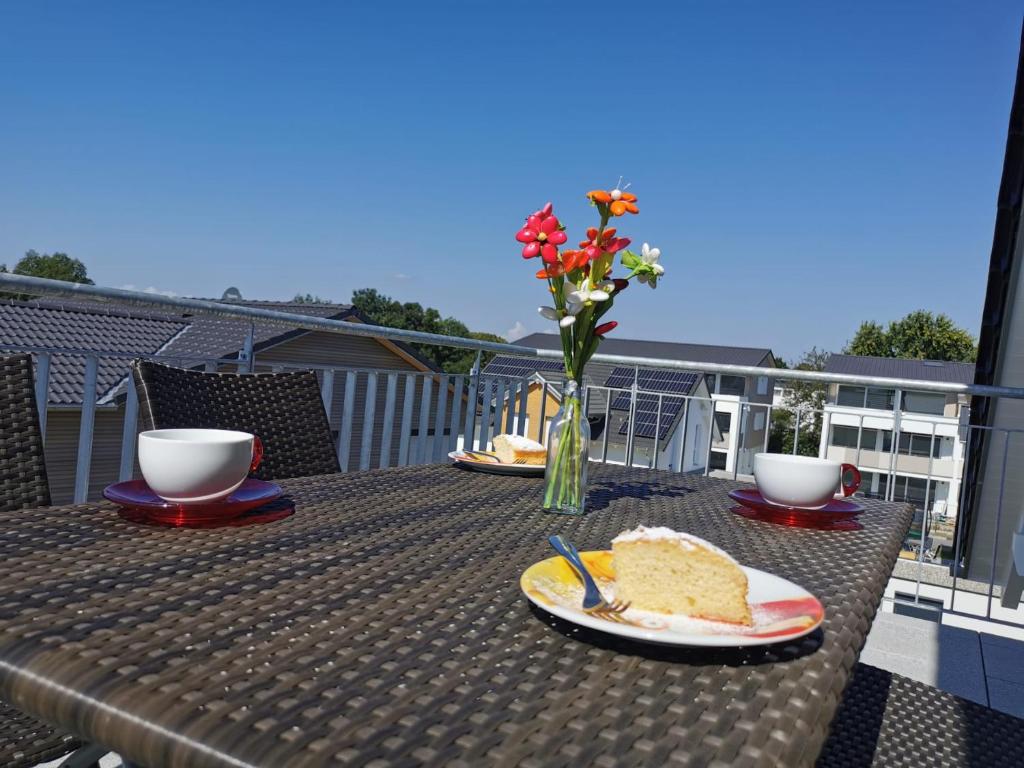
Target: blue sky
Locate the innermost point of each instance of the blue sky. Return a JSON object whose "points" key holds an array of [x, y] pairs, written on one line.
{"points": [[802, 168]]}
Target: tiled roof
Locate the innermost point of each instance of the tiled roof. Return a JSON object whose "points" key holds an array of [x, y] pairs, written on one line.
{"points": [[133, 331], [109, 330], [901, 368], [664, 350]]}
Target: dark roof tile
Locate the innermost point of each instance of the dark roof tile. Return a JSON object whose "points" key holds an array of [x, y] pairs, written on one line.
{"points": [[902, 368]]}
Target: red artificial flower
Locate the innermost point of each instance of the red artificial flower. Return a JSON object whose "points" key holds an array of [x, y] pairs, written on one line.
{"points": [[620, 284], [609, 243], [604, 328], [542, 235]]}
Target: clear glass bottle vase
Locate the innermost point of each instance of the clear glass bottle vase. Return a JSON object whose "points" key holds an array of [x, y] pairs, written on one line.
{"points": [[565, 479]]}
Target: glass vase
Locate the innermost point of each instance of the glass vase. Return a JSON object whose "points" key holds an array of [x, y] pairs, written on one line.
{"points": [[565, 478]]}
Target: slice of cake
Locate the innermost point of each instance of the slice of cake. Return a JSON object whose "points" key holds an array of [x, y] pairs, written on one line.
{"points": [[658, 569], [516, 448]]}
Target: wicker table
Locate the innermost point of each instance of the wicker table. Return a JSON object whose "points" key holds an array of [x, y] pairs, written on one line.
{"points": [[382, 624]]}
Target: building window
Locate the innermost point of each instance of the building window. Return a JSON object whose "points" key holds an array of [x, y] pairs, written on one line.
{"points": [[880, 399], [931, 403], [762, 385], [913, 444], [718, 460], [844, 437], [723, 424], [759, 421], [732, 385], [850, 396]]}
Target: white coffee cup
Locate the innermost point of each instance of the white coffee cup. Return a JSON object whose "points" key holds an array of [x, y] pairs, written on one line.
{"points": [[197, 465], [801, 481]]}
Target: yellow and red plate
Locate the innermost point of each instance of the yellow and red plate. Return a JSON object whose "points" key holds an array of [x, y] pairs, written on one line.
{"points": [[782, 610]]}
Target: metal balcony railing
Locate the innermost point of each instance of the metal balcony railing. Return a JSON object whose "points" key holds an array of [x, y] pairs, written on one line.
{"points": [[384, 417]]}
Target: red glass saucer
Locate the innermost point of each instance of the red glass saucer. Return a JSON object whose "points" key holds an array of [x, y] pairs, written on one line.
{"points": [[837, 515], [140, 504]]}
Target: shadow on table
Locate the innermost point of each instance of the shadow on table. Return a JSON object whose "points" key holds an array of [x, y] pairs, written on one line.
{"points": [[601, 493], [728, 657]]}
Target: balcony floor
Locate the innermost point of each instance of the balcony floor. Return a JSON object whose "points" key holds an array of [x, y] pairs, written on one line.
{"points": [[984, 668]]}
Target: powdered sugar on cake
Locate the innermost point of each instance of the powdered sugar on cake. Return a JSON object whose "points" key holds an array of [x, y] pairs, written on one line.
{"points": [[520, 443], [688, 541]]}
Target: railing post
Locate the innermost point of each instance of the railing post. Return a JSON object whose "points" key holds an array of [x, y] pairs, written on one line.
{"points": [[405, 436], [711, 434], [347, 411], [43, 390], [458, 386], [469, 429], [683, 427], [369, 416], [424, 421], [327, 390], [631, 427], [128, 431], [390, 399], [796, 431], [541, 431], [85, 431], [890, 484], [524, 404], [437, 442], [607, 423]]}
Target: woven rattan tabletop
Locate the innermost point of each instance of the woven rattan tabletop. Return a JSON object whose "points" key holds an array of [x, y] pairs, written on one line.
{"points": [[382, 624]]}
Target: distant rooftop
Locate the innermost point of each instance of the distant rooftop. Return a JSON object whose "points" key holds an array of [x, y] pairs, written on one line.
{"points": [[901, 368], [141, 331], [665, 350]]}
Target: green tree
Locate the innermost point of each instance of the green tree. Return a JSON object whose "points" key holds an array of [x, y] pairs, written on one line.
{"points": [[231, 294], [920, 335], [801, 397], [55, 266], [310, 298], [412, 316]]}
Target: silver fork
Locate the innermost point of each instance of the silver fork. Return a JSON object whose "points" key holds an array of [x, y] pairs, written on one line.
{"points": [[593, 600]]}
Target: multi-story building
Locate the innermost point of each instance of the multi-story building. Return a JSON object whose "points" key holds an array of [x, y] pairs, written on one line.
{"points": [[908, 445]]}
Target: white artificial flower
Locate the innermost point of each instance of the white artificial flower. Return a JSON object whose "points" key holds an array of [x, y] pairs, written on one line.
{"points": [[566, 321], [650, 256], [549, 313]]}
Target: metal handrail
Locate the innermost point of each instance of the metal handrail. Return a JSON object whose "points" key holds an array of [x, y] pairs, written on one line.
{"points": [[46, 287]]}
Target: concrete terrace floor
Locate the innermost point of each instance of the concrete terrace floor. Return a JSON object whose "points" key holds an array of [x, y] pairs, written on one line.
{"points": [[984, 668]]}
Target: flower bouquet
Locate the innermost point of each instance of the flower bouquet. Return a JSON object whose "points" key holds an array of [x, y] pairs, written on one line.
{"points": [[583, 290]]}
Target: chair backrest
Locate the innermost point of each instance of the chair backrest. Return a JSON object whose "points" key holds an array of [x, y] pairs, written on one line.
{"points": [[22, 463], [284, 409]]}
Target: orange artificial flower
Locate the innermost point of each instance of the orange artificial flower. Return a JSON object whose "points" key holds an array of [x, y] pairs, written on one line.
{"points": [[550, 271], [618, 202]]}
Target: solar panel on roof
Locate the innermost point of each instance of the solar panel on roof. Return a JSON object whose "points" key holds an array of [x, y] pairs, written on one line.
{"points": [[649, 380], [518, 366], [647, 417]]}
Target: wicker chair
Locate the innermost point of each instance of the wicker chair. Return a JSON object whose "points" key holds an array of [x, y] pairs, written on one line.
{"points": [[890, 721], [284, 409], [24, 740]]}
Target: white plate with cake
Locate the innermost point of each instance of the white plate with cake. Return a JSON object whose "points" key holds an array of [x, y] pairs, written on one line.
{"points": [[512, 455], [682, 590]]}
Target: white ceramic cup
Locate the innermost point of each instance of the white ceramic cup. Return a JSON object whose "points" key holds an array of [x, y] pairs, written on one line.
{"points": [[801, 481], [197, 465]]}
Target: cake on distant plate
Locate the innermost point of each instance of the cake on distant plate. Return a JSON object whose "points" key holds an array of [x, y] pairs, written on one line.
{"points": [[658, 569], [516, 448]]}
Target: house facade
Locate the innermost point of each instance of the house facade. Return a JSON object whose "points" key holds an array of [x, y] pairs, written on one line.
{"points": [[121, 333], [667, 419], [908, 445]]}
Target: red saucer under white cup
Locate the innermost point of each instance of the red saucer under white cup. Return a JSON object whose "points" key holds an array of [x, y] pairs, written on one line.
{"points": [[800, 491]]}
